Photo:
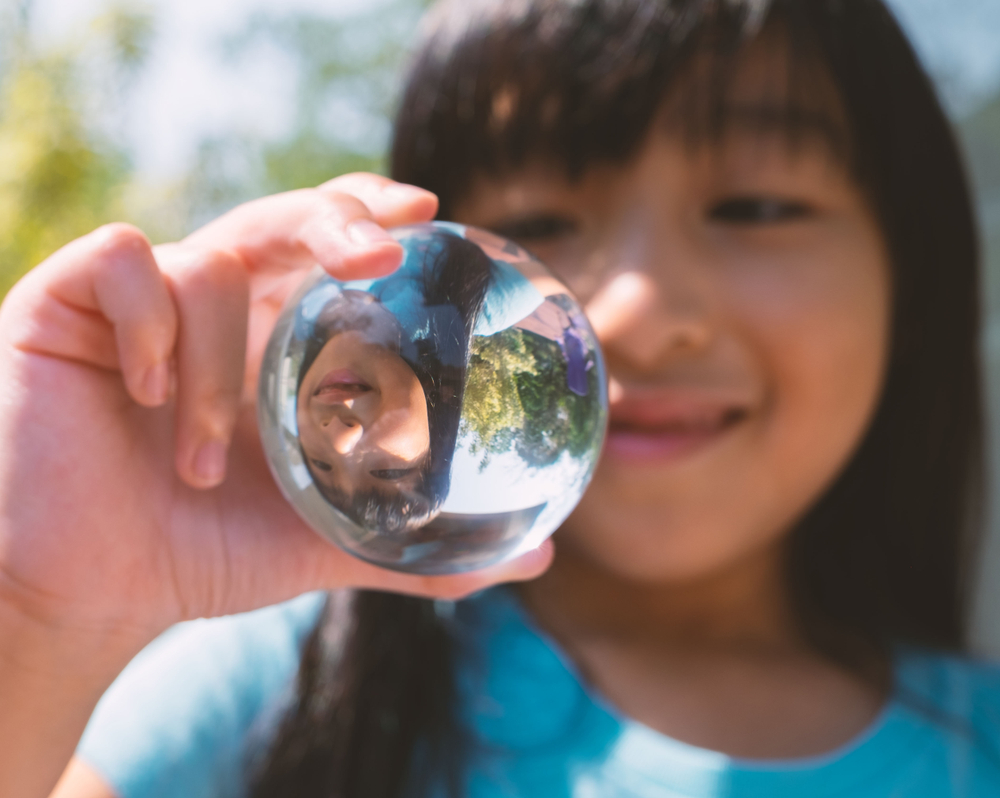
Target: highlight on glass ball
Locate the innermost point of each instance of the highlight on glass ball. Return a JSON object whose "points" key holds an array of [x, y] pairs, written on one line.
{"points": [[443, 418]]}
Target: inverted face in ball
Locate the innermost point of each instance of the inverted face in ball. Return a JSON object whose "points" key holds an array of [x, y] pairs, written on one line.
{"points": [[441, 419]]}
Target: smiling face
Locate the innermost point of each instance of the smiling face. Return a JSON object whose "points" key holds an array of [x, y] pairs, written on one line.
{"points": [[361, 412], [740, 288]]}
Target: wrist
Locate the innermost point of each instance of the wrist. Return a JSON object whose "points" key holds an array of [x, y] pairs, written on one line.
{"points": [[42, 646], [51, 677]]}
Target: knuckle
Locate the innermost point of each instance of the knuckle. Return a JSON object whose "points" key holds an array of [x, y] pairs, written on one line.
{"points": [[348, 206], [123, 239], [221, 269], [19, 296], [215, 406], [210, 269]]}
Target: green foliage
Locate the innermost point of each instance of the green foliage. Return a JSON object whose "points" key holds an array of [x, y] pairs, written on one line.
{"points": [[64, 168], [491, 409], [516, 397], [558, 419], [60, 175]]}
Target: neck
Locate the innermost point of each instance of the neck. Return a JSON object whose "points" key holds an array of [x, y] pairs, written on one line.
{"points": [[716, 661], [744, 604]]}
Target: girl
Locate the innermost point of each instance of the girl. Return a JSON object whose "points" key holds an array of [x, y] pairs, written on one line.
{"points": [[763, 591], [406, 494]]}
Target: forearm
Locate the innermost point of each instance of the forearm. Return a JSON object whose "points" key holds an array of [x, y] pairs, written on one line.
{"points": [[50, 681]]}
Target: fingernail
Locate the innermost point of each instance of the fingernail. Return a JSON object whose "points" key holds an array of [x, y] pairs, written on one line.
{"points": [[210, 462], [156, 382], [365, 233]]}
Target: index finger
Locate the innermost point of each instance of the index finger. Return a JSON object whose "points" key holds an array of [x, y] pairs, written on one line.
{"points": [[332, 226], [392, 204]]}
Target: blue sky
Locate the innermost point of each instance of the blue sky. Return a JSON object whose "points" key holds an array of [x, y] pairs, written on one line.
{"points": [[960, 41]]}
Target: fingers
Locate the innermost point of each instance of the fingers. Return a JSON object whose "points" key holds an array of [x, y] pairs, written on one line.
{"points": [[392, 204], [341, 234], [131, 293], [102, 301], [211, 292], [210, 272], [105, 301], [360, 207], [340, 226], [528, 566]]}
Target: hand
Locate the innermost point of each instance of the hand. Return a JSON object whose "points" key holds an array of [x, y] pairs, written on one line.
{"points": [[133, 489]]}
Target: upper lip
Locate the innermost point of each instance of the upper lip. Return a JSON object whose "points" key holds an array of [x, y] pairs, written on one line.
{"points": [[664, 409]]}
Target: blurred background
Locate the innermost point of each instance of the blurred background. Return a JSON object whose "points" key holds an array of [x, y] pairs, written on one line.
{"points": [[167, 112]]}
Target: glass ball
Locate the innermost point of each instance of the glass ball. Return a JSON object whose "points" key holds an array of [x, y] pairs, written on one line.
{"points": [[441, 419]]}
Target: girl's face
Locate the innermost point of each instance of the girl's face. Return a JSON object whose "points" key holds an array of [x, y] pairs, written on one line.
{"points": [[741, 293], [362, 415]]}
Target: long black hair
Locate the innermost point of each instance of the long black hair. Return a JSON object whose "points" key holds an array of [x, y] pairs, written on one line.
{"points": [[881, 558]]}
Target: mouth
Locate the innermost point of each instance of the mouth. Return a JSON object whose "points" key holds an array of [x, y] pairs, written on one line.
{"points": [[661, 428], [339, 386]]}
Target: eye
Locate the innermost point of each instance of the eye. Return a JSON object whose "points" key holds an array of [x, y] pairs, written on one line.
{"points": [[758, 210], [322, 466], [392, 474], [536, 228]]}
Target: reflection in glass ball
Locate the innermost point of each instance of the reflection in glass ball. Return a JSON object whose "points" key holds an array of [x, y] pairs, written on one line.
{"points": [[441, 419]]}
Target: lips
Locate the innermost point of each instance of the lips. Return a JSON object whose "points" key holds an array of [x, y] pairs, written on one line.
{"points": [[340, 385], [662, 427]]}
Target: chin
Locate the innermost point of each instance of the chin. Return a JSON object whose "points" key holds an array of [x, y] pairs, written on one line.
{"points": [[653, 545]]}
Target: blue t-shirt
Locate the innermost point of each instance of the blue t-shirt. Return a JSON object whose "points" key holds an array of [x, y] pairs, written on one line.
{"points": [[182, 719]]}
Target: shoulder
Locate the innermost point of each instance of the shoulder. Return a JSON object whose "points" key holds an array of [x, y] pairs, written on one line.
{"points": [[175, 722], [959, 696], [949, 680]]}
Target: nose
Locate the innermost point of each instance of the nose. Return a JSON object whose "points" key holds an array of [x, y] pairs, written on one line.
{"points": [[655, 307], [344, 433]]}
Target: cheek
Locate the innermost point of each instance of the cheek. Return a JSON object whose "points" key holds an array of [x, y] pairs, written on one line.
{"points": [[817, 326], [303, 419], [816, 338], [820, 334], [310, 438]]}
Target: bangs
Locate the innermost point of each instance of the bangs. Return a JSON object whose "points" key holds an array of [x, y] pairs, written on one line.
{"points": [[577, 82]]}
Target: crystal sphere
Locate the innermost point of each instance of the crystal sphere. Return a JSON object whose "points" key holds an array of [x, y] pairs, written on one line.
{"points": [[441, 419]]}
